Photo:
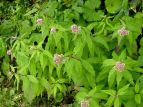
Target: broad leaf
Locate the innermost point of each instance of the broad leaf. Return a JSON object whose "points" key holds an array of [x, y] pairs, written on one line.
{"points": [[138, 98], [110, 92], [113, 6], [110, 101], [32, 78], [117, 102], [111, 77], [109, 62], [123, 90], [88, 67], [119, 77], [92, 4], [128, 76]]}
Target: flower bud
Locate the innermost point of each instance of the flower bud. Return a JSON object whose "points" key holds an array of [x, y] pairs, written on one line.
{"points": [[123, 31], [31, 48], [53, 30], [120, 66], [84, 103], [9, 74], [9, 52], [75, 28], [16, 97], [39, 21], [13, 37], [58, 59]]}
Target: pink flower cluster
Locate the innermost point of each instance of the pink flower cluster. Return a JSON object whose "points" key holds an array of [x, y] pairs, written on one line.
{"points": [[53, 30], [123, 31], [9, 52], [84, 103], [75, 28], [120, 66], [58, 58], [39, 21]]}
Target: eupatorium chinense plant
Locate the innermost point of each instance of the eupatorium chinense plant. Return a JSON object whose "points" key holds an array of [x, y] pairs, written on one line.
{"points": [[122, 71], [74, 49]]}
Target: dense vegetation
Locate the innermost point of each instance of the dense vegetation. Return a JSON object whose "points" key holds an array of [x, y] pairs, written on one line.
{"points": [[76, 53]]}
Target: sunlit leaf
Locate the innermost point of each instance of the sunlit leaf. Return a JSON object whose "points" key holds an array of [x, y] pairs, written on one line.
{"points": [[138, 98], [111, 77], [109, 62], [123, 90], [32, 79], [113, 6], [117, 102]]}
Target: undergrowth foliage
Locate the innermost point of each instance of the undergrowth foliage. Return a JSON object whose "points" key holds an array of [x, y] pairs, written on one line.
{"points": [[86, 53]]}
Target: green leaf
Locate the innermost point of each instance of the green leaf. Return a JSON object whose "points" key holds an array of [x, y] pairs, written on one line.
{"points": [[31, 90], [110, 101], [31, 11], [92, 15], [123, 90], [140, 60], [92, 92], [109, 62], [137, 88], [55, 90], [89, 80], [45, 30], [22, 59], [5, 65], [103, 74], [130, 39], [78, 9], [139, 70], [2, 47], [133, 25], [36, 37], [92, 4], [91, 26], [128, 76], [60, 87], [59, 97], [32, 67], [122, 55], [79, 45], [117, 102], [102, 41], [69, 66], [57, 37], [43, 60], [109, 92], [61, 80], [89, 42], [52, 5], [93, 103], [111, 77], [113, 6], [17, 80], [66, 42], [45, 83], [81, 95], [119, 77], [131, 103], [138, 98], [47, 53], [88, 67], [101, 95], [25, 28], [32, 78], [74, 67], [7, 27], [94, 60]]}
